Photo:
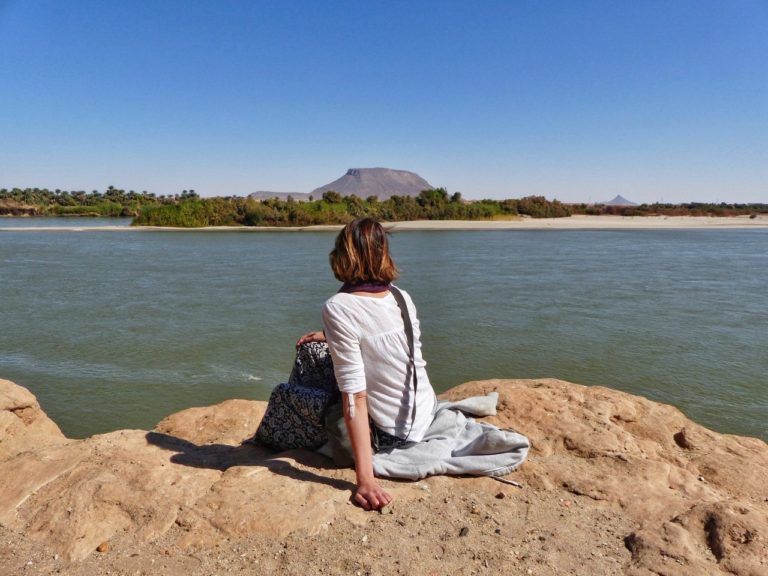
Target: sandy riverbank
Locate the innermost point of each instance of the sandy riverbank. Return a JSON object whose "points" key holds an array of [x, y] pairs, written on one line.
{"points": [[570, 223], [588, 223]]}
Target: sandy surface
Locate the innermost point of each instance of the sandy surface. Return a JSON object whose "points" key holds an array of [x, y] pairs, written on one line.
{"points": [[614, 484], [570, 223], [460, 526]]}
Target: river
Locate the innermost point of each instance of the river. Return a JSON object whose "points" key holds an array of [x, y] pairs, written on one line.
{"points": [[116, 329]]}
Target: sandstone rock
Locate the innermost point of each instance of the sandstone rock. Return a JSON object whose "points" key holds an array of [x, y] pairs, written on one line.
{"points": [[23, 425], [730, 534], [228, 423], [696, 500], [646, 458], [106, 485]]}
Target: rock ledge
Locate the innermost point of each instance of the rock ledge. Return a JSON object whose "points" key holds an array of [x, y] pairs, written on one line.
{"points": [[675, 497]]}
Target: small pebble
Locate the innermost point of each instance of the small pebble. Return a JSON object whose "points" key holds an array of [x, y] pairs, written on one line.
{"points": [[501, 495], [103, 547], [498, 530], [464, 531]]}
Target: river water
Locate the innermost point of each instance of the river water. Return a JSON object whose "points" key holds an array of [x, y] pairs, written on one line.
{"points": [[114, 329]]}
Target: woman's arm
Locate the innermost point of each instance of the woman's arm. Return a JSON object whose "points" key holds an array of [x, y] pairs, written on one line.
{"points": [[344, 344], [369, 494]]}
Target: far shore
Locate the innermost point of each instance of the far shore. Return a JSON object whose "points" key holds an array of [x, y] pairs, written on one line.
{"points": [[578, 222]]}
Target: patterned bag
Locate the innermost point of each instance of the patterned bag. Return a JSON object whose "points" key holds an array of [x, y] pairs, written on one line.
{"points": [[296, 413]]}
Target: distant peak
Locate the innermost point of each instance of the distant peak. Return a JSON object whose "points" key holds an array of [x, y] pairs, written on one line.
{"points": [[619, 200]]}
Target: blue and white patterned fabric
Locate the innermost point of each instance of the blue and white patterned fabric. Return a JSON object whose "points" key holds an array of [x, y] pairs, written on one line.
{"points": [[295, 415]]}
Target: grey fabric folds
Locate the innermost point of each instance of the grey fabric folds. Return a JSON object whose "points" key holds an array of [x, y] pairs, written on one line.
{"points": [[455, 444]]}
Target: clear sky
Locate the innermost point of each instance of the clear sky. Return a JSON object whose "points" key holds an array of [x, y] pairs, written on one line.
{"points": [[575, 100]]}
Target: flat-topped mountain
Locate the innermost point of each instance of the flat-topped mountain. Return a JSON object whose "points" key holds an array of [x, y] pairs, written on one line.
{"points": [[380, 182]]}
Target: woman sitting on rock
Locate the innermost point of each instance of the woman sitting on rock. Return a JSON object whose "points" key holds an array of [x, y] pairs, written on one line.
{"points": [[364, 328], [396, 427]]}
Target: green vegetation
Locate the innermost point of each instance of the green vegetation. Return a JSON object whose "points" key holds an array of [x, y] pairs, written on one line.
{"points": [[332, 208], [658, 209], [112, 202], [188, 210]]}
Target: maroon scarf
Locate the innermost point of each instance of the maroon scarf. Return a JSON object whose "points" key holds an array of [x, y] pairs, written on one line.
{"points": [[372, 287]]}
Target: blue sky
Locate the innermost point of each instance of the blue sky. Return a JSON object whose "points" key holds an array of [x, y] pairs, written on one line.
{"points": [[575, 100]]}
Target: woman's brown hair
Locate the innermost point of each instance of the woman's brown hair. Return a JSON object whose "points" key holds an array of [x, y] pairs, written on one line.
{"points": [[361, 254]]}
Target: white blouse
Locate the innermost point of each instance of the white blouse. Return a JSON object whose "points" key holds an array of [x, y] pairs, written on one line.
{"points": [[369, 348]]}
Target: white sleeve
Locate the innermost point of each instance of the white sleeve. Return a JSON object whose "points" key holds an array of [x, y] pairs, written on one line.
{"points": [[344, 344]]}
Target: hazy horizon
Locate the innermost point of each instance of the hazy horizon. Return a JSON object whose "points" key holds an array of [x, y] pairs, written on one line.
{"points": [[574, 101], [464, 196]]}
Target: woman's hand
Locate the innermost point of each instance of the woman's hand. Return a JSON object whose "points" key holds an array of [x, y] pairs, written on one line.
{"points": [[371, 496], [318, 336]]}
